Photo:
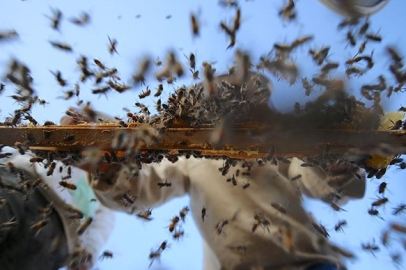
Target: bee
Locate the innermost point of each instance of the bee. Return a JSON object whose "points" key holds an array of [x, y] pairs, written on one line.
{"points": [[203, 213], [77, 214], [183, 213], [39, 225], [321, 229], [8, 35], [58, 76], [254, 226], [320, 55], [246, 185], [401, 208], [83, 227], [145, 215], [373, 212], [372, 247], [336, 207], [382, 187], [56, 19], [195, 25], [99, 64], [112, 46], [106, 255], [61, 46], [288, 12], [163, 246], [374, 37], [398, 228], [145, 93], [353, 70], [158, 62], [159, 90], [328, 67], [361, 48], [174, 221], [380, 202], [51, 169], [296, 177], [220, 226], [178, 234], [164, 184], [339, 226], [237, 20], [128, 199], [364, 28], [300, 41], [351, 39], [82, 20], [394, 54], [385, 238], [101, 90], [279, 207], [19, 147], [67, 185], [153, 255], [7, 225]]}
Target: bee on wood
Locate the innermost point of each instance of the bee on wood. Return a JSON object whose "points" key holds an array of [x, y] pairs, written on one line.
{"points": [[339, 226], [203, 213], [321, 229], [83, 227], [174, 222], [67, 185], [183, 213], [145, 215], [82, 20], [246, 185], [195, 25], [128, 199], [112, 46], [401, 208], [106, 255], [62, 46], [145, 93], [39, 226]]}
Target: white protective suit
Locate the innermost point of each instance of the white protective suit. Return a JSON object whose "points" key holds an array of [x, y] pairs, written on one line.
{"points": [[236, 246]]}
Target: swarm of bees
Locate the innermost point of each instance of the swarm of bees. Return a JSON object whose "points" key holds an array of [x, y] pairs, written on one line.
{"points": [[217, 100]]}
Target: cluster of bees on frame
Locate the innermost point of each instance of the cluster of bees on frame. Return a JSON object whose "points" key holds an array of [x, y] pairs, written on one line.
{"points": [[213, 101]]}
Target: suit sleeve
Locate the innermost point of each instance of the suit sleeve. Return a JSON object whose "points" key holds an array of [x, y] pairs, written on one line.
{"points": [[317, 183], [127, 189]]}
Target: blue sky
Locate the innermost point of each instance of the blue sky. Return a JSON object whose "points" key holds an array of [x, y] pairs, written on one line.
{"points": [[152, 34]]}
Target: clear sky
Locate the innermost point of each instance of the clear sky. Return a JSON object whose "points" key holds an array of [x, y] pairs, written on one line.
{"points": [[143, 28]]}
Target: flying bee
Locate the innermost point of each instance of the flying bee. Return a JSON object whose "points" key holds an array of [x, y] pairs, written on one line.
{"points": [[77, 214], [237, 20], [380, 202], [106, 255], [82, 20], [319, 55], [339, 226], [353, 70], [374, 37], [56, 20], [254, 226], [192, 61], [364, 28], [83, 227], [159, 90], [99, 64], [145, 93], [307, 86], [112, 46], [39, 225], [385, 238], [321, 229], [401, 208], [382, 187], [62, 46], [372, 247], [183, 213], [158, 62], [163, 246], [67, 185], [195, 25], [58, 76], [101, 90], [361, 48], [203, 213], [178, 234], [154, 255], [300, 41], [394, 54], [287, 12], [174, 221], [351, 39], [145, 215], [398, 228], [51, 168], [328, 67], [336, 207]]}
